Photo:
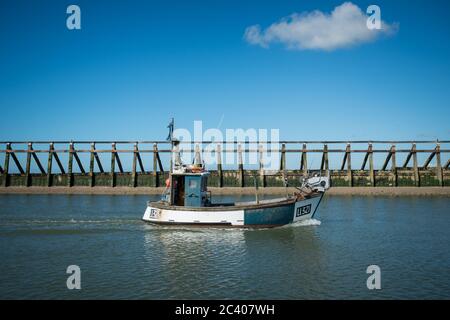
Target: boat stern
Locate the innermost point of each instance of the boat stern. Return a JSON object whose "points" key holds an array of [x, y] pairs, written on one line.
{"points": [[151, 214]]}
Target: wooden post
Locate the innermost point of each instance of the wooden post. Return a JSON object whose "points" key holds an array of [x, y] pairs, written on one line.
{"points": [[49, 165], [304, 164], [371, 170], [324, 164], [416, 167], [283, 157], [241, 166], [91, 165], [155, 165], [113, 164], [70, 166], [394, 165], [262, 175], [6, 169], [28, 166], [219, 166], [349, 165], [133, 172], [255, 180], [438, 165]]}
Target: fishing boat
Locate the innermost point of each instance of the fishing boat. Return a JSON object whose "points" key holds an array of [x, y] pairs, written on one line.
{"points": [[187, 201]]}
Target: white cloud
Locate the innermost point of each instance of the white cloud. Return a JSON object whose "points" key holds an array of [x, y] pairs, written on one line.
{"points": [[345, 26]]}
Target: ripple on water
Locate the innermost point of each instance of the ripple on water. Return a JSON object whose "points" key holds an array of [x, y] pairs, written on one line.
{"points": [[122, 257]]}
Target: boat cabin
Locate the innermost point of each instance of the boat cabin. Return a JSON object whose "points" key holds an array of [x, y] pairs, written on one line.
{"points": [[189, 189]]}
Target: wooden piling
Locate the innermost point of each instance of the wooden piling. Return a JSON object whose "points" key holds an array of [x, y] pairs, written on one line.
{"points": [[349, 165], [283, 157], [394, 166], [6, 166], [28, 165], [155, 165], [415, 166], [371, 169], [133, 169], [113, 164], [304, 164], [91, 165], [219, 166], [438, 165], [241, 166], [324, 163], [262, 175], [70, 166], [49, 165]]}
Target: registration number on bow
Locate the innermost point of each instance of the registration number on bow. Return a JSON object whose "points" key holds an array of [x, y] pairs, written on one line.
{"points": [[304, 210]]}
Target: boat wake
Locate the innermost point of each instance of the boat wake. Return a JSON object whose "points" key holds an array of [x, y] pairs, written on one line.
{"points": [[304, 223]]}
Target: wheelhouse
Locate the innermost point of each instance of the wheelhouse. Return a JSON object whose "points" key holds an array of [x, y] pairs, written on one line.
{"points": [[189, 189]]}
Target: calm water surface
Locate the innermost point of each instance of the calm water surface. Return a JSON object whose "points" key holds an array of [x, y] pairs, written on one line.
{"points": [[121, 257]]}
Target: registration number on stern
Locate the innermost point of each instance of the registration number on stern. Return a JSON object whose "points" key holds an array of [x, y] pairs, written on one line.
{"points": [[154, 213]]}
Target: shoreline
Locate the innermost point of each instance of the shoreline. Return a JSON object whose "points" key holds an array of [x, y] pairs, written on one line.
{"points": [[334, 191]]}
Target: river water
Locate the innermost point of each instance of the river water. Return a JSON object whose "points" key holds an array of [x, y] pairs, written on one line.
{"points": [[121, 257]]}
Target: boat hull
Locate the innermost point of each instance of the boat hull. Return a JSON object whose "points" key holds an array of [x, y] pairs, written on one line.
{"points": [[243, 216]]}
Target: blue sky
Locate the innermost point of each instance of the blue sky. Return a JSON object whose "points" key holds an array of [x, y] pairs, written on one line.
{"points": [[135, 64]]}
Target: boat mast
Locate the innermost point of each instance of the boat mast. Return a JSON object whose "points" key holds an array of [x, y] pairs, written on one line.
{"points": [[170, 137]]}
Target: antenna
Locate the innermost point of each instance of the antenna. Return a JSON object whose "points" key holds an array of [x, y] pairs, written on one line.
{"points": [[170, 138]]}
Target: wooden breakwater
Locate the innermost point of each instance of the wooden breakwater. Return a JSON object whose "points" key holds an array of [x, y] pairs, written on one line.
{"points": [[25, 165]]}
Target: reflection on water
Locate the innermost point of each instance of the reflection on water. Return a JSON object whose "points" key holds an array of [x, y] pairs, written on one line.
{"points": [[220, 260], [122, 257]]}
